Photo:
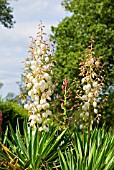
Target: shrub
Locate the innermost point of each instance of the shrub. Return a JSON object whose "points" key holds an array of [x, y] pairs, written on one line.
{"points": [[33, 151], [10, 112], [97, 154]]}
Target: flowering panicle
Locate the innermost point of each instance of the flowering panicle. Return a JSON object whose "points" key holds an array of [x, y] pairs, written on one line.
{"points": [[38, 83], [92, 85], [65, 114]]}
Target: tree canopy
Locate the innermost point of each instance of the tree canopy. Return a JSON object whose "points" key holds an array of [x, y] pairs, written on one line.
{"points": [[89, 20], [6, 16]]}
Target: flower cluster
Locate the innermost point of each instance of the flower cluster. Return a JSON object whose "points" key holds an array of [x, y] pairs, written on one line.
{"points": [[38, 83], [92, 85]]}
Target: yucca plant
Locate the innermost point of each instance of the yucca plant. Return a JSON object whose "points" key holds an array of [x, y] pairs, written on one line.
{"points": [[98, 154], [32, 151]]}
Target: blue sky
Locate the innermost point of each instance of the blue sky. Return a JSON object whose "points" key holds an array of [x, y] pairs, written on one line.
{"points": [[14, 43]]}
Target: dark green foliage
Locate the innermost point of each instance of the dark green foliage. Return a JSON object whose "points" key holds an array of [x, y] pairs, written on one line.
{"points": [[1, 84], [6, 17], [10, 112], [39, 151], [97, 154], [89, 20], [32, 151]]}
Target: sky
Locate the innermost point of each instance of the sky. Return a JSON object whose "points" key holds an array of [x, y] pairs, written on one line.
{"points": [[14, 43]]}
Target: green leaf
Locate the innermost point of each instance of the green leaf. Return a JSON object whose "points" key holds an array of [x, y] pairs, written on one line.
{"points": [[62, 161]]}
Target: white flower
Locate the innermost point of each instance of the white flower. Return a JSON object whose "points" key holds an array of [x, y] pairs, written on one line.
{"points": [[26, 106], [81, 114], [49, 83], [36, 85], [49, 112], [96, 93], [84, 87], [90, 94], [38, 70], [81, 126], [92, 60], [95, 83], [42, 88], [33, 67], [39, 120], [87, 104], [83, 80], [93, 75], [40, 62], [36, 103], [39, 107], [44, 67], [49, 92], [30, 93], [84, 97], [97, 63], [40, 129], [46, 76], [31, 78], [35, 91], [45, 115], [32, 96], [34, 81], [43, 46], [87, 114], [43, 95], [94, 104], [95, 99], [34, 110], [45, 128], [39, 52], [88, 87], [41, 83], [31, 105], [28, 75], [45, 106], [96, 111], [36, 98], [32, 117], [43, 101], [32, 123], [47, 59], [29, 85], [84, 107]]}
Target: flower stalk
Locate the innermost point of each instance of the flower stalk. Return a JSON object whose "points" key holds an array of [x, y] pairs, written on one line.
{"points": [[38, 84], [92, 86]]}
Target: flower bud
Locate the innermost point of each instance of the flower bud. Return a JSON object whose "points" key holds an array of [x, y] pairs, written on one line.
{"points": [[83, 80], [84, 97], [95, 83], [87, 114], [81, 126], [96, 111], [47, 59], [45, 115], [94, 104], [90, 94]]}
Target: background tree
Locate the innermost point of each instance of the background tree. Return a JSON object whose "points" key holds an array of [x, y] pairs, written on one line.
{"points": [[6, 17], [89, 20], [1, 84]]}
